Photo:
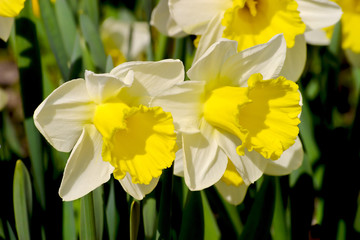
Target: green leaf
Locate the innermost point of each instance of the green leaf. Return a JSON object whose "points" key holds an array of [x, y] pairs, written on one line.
{"points": [[112, 215], [279, 221], [87, 220], [258, 224], [109, 64], [28, 60], [92, 38], [54, 37], [211, 228], [76, 62], [22, 199], [69, 227], [67, 25], [149, 217], [164, 221], [99, 211], [192, 224], [90, 7], [11, 137], [134, 220]]}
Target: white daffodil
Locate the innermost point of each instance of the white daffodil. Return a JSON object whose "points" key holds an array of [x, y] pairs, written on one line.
{"points": [[8, 10], [252, 22], [161, 18], [116, 38], [240, 114], [111, 126]]}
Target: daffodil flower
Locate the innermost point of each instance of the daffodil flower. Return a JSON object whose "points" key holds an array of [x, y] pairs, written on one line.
{"points": [[164, 22], [240, 114], [350, 33], [116, 38], [109, 123], [8, 10], [252, 22]]}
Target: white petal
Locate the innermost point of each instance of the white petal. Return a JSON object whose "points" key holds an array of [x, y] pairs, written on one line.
{"points": [[194, 15], [6, 24], [184, 102], [317, 37], [85, 170], [267, 59], [164, 22], [209, 65], [213, 33], [295, 59], [353, 58], [61, 116], [151, 78], [204, 162], [137, 191], [179, 163], [232, 194], [140, 39], [250, 166], [103, 86], [290, 160], [318, 14]]}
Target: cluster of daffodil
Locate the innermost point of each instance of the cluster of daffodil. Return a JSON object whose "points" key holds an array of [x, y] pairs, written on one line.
{"points": [[235, 119]]}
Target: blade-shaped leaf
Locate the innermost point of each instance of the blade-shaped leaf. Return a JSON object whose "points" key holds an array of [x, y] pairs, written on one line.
{"points": [[258, 223], [22, 198]]}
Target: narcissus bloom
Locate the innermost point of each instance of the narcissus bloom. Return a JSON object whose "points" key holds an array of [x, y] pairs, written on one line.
{"points": [[252, 22], [8, 10], [240, 120], [350, 33], [111, 126], [116, 34]]}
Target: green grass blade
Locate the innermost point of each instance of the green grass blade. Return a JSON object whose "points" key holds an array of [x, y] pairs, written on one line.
{"points": [[22, 199], [54, 37]]}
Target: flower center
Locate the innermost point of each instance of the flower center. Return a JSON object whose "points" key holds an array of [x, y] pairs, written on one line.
{"points": [[138, 140], [264, 115], [252, 22]]}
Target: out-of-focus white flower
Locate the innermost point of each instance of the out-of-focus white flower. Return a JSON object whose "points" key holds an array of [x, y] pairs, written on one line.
{"points": [[350, 33], [124, 40], [8, 10], [252, 22], [239, 120], [109, 123]]}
